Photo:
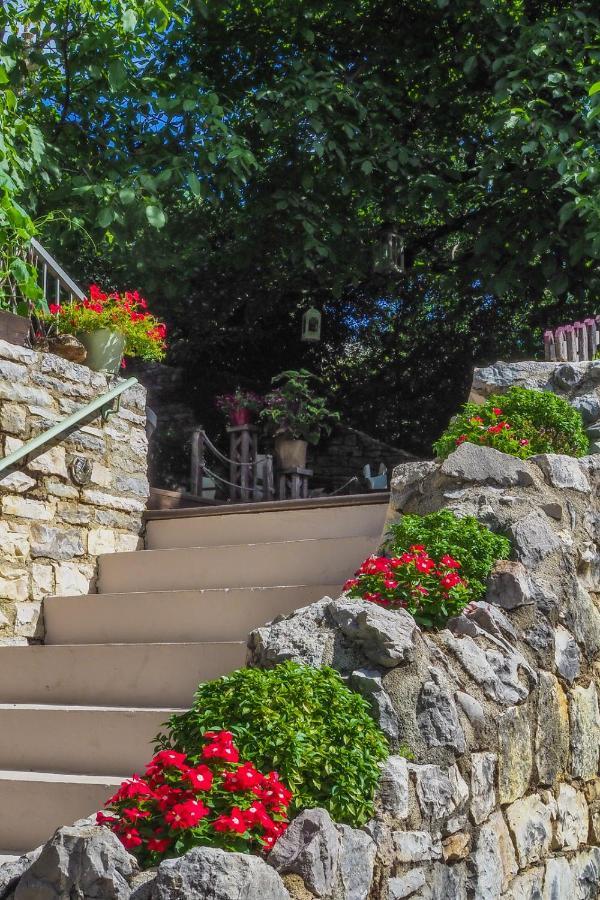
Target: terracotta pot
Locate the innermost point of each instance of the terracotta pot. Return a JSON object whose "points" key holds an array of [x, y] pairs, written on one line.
{"points": [[290, 453], [14, 329], [240, 416], [104, 350]]}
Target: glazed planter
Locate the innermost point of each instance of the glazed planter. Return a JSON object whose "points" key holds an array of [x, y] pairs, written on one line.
{"points": [[241, 416], [104, 349], [290, 453], [14, 329]]}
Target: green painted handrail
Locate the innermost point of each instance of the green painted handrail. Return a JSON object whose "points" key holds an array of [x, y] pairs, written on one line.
{"points": [[65, 425]]}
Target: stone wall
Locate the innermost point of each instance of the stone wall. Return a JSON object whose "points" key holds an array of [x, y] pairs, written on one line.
{"points": [[342, 455], [501, 798], [51, 528]]}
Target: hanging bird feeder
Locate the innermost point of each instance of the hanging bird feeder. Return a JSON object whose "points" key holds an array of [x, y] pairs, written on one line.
{"points": [[311, 325]]}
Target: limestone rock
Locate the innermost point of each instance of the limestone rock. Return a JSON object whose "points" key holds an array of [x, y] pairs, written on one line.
{"points": [[534, 539], [585, 731], [562, 471], [434, 792], [393, 787], [509, 585], [298, 637], [405, 885], [527, 886], [212, 874], [589, 407], [448, 882], [56, 543], [496, 671], [11, 872], [514, 754], [415, 846], [309, 848], [494, 859], [530, 822], [406, 480], [552, 730], [368, 683], [84, 861], [356, 862], [456, 847], [437, 718], [558, 879], [483, 792], [586, 873], [567, 658], [484, 465], [572, 820], [386, 637]]}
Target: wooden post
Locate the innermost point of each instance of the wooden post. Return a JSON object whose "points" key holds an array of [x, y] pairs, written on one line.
{"points": [[243, 440], [197, 467], [561, 344], [591, 336], [549, 346], [580, 342], [570, 339]]}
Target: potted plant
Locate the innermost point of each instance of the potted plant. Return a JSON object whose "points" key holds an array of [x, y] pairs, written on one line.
{"points": [[295, 416], [240, 407], [110, 326]]}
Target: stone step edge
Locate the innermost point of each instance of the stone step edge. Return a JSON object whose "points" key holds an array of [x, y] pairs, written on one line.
{"points": [[178, 591]]}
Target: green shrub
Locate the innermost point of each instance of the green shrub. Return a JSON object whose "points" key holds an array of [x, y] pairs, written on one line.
{"points": [[304, 723], [464, 539], [521, 422]]}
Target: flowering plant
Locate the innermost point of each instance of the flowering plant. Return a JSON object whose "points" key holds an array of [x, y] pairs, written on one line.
{"points": [[430, 589], [212, 800], [294, 410], [521, 423], [125, 313], [231, 403]]}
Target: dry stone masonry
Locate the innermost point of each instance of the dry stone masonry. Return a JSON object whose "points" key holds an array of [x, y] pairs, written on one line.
{"points": [[52, 528], [499, 798]]}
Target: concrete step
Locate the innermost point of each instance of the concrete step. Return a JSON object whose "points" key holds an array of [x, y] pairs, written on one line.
{"points": [[111, 740], [261, 523], [130, 675], [217, 614], [318, 561], [34, 804]]}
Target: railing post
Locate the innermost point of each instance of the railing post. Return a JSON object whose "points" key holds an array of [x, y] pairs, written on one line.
{"points": [[197, 463]]}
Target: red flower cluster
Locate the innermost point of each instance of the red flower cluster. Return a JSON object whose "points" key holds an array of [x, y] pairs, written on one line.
{"points": [[177, 805], [126, 313], [431, 590], [484, 434]]}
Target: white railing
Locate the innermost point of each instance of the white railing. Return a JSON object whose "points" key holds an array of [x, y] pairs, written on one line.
{"points": [[53, 279]]}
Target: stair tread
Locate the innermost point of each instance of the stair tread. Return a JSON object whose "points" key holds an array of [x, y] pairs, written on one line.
{"points": [[208, 547], [59, 777], [183, 591], [74, 707]]}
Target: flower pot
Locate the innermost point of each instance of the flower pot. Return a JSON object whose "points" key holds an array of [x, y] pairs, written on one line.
{"points": [[14, 329], [290, 453], [104, 349], [240, 416]]}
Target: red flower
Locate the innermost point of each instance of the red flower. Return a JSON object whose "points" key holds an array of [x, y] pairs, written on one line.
{"points": [[102, 819], [460, 440], [171, 758], [390, 584], [134, 787], [524, 442], [258, 815], [497, 411], [244, 778], [221, 750], [450, 581], [133, 813], [158, 845], [450, 563], [55, 309], [187, 814], [234, 822], [201, 778], [131, 838], [424, 564], [351, 583]]}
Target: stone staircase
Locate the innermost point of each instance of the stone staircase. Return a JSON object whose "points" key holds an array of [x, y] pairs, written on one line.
{"points": [[78, 713]]}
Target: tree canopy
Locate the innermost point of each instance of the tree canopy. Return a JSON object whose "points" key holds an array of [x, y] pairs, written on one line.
{"points": [[236, 161]]}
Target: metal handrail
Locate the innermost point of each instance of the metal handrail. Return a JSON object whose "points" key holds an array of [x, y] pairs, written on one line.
{"points": [[65, 425], [40, 258]]}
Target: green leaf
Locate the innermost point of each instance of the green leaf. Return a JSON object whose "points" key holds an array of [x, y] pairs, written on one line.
{"points": [[3, 75], [194, 183], [155, 216], [595, 88], [117, 74], [366, 167], [127, 195], [129, 20], [105, 217]]}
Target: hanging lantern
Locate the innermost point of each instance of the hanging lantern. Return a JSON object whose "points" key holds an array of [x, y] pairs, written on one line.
{"points": [[311, 325], [389, 253]]}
